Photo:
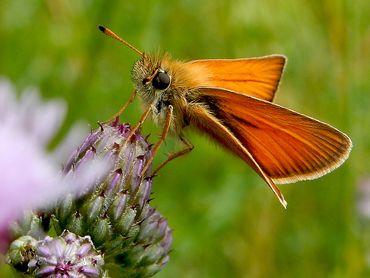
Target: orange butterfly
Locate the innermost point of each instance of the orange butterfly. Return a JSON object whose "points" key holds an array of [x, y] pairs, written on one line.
{"points": [[231, 101]]}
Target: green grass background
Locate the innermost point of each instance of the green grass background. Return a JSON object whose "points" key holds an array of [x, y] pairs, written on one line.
{"points": [[226, 222]]}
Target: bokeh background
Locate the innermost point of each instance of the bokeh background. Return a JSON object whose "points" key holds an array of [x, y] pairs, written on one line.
{"points": [[226, 222]]}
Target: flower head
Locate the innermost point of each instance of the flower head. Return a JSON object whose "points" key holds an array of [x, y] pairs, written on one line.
{"points": [[115, 212], [30, 176], [68, 255]]}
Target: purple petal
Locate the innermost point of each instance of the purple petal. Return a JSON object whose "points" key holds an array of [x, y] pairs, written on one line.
{"points": [[44, 251], [83, 250], [89, 271], [46, 270]]}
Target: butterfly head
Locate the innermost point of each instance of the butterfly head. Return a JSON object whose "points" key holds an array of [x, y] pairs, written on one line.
{"points": [[150, 78]]}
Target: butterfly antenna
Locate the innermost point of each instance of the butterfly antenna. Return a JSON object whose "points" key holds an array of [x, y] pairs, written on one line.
{"points": [[110, 33]]}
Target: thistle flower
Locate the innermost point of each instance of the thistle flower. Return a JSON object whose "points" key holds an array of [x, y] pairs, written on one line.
{"points": [[131, 236], [30, 176], [25, 127], [65, 256]]}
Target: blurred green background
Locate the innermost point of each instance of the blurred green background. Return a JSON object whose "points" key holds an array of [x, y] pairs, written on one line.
{"points": [[225, 220]]}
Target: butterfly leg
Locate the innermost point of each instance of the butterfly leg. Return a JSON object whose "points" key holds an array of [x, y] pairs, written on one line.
{"points": [[123, 108], [164, 134], [138, 125], [188, 148]]}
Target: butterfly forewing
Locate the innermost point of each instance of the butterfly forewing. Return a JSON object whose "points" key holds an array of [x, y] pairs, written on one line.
{"points": [[288, 146], [257, 77]]}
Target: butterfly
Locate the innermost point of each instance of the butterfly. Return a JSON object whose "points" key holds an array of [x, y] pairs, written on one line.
{"points": [[231, 101]]}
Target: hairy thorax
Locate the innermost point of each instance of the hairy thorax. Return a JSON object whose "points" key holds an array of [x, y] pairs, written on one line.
{"points": [[178, 94]]}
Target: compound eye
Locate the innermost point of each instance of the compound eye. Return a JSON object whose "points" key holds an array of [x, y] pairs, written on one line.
{"points": [[161, 80]]}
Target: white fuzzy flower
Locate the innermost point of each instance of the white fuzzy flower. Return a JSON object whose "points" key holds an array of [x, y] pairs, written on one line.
{"points": [[30, 176]]}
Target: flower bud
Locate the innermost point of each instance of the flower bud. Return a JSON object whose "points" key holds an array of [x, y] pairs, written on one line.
{"points": [[113, 218]]}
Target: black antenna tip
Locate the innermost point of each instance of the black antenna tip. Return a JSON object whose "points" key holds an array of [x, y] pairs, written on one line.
{"points": [[102, 28]]}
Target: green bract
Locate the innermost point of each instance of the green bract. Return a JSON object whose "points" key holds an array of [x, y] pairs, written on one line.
{"points": [[130, 237]]}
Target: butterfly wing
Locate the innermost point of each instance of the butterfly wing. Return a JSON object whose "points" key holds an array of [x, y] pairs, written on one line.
{"points": [[282, 146], [257, 77], [200, 117]]}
